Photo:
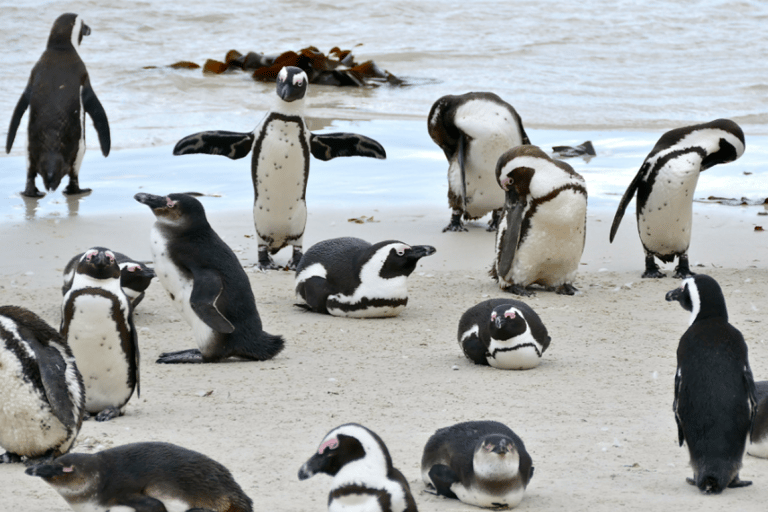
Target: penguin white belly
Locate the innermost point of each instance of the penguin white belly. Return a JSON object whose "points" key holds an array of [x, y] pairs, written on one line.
{"points": [[179, 288], [372, 288], [27, 425], [478, 497], [355, 503], [81, 143], [665, 221], [280, 212], [759, 448], [552, 248], [97, 345], [518, 353]]}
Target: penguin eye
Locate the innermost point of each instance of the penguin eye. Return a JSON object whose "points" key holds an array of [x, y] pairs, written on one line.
{"points": [[493, 316], [509, 314], [400, 252], [488, 447], [111, 257]]}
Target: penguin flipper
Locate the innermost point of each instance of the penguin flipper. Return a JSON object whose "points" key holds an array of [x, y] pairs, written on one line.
{"points": [[462, 169], [510, 234], [678, 382], [331, 145], [749, 383], [206, 292], [135, 343], [233, 145], [626, 198], [93, 106], [475, 350], [52, 367], [18, 112], [443, 478], [315, 293]]}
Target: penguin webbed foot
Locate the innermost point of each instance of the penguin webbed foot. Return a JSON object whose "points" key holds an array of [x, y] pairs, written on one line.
{"points": [[295, 259], [265, 261], [566, 289], [652, 270], [737, 482], [455, 225], [682, 270], [74, 190], [32, 192], [519, 290], [108, 414], [190, 356], [45, 458], [10, 458]]}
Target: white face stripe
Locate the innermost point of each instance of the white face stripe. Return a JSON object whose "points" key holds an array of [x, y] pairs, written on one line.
{"points": [[76, 29], [693, 291], [707, 139]]}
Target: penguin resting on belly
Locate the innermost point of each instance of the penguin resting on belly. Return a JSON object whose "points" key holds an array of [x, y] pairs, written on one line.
{"points": [[665, 185], [281, 146]]}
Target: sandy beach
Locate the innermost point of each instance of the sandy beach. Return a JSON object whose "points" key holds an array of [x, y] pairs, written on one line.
{"points": [[596, 415]]}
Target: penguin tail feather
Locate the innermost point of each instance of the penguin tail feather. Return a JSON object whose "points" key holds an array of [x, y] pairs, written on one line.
{"points": [[265, 347], [305, 307]]}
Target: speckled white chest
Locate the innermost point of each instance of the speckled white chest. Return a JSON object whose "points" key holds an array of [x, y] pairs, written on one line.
{"points": [[171, 505], [518, 353], [279, 211], [493, 468], [95, 340], [179, 288]]}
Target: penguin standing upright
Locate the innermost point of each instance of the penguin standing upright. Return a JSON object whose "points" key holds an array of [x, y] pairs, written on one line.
{"points": [[715, 400], [474, 130], [41, 390], [503, 333], [97, 322], [665, 184], [281, 146], [544, 223], [482, 463], [58, 95], [364, 479], [349, 277], [206, 283], [135, 276], [144, 477]]}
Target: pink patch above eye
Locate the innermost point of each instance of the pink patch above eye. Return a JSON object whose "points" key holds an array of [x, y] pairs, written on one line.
{"points": [[330, 444], [68, 469], [509, 314], [493, 316], [133, 268]]}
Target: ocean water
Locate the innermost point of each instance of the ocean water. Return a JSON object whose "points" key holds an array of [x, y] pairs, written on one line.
{"points": [[617, 73]]}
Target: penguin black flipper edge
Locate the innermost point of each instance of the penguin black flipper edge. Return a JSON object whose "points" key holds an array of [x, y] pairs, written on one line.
{"points": [[205, 294], [92, 105], [511, 236], [327, 146], [678, 382], [135, 343], [233, 145], [626, 198], [443, 477], [18, 113], [51, 364]]}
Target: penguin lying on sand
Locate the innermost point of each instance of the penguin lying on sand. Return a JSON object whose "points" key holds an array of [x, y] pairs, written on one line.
{"points": [[206, 283], [503, 333], [482, 463], [350, 277], [543, 225], [135, 276], [58, 95], [97, 321], [144, 477], [665, 184], [474, 130], [41, 391], [715, 400], [758, 447], [364, 479], [281, 145]]}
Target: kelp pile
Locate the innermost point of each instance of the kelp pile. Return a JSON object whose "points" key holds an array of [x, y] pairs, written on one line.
{"points": [[337, 68]]}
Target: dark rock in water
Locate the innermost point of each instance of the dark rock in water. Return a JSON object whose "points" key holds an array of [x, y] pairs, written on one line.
{"points": [[731, 201], [337, 68], [183, 65], [582, 149]]}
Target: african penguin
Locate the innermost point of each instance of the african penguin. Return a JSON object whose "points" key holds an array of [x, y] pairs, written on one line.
{"points": [[758, 447], [665, 185], [474, 130], [352, 278], [715, 400], [543, 225], [503, 333], [364, 479], [41, 390], [482, 463], [144, 477], [281, 145], [58, 95], [206, 283], [135, 276], [97, 322]]}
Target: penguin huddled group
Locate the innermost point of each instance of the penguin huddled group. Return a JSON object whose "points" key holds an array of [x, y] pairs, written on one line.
{"points": [[52, 380]]}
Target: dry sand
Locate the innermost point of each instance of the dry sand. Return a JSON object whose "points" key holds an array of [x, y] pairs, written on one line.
{"points": [[596, 415]]}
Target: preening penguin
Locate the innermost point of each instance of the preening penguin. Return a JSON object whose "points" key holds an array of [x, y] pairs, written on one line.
{"points": [[41, 391], [144, 477], [665, 185], [97, 322], [281, 145], [715, 400], [350, 277], [206, 283], [758, 446], [482, 463], [58, 95], [364, 479], [474, 130], [543, 225], [135, 276], [503, 333]]}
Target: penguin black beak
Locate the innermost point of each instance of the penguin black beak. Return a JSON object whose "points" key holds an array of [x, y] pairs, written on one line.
{"points": [[499, 321], [86, 30], [45, 470], [151, 200], [311, 467], [674, 295], [502, 447], [290, 91], [419, 251]]}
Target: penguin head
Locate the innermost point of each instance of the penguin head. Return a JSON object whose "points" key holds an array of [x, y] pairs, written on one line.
{"points": [[98, 263], [514, 170], [730, 144], [178, 211], [68, 29], [702, 296], [507, 322], [495, 457], [76, 474], [399, 259], [135, 276], [345, 445], [291, 84]]}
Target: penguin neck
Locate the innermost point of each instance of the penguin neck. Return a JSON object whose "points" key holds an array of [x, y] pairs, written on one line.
{"points": [[290, 108]]}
